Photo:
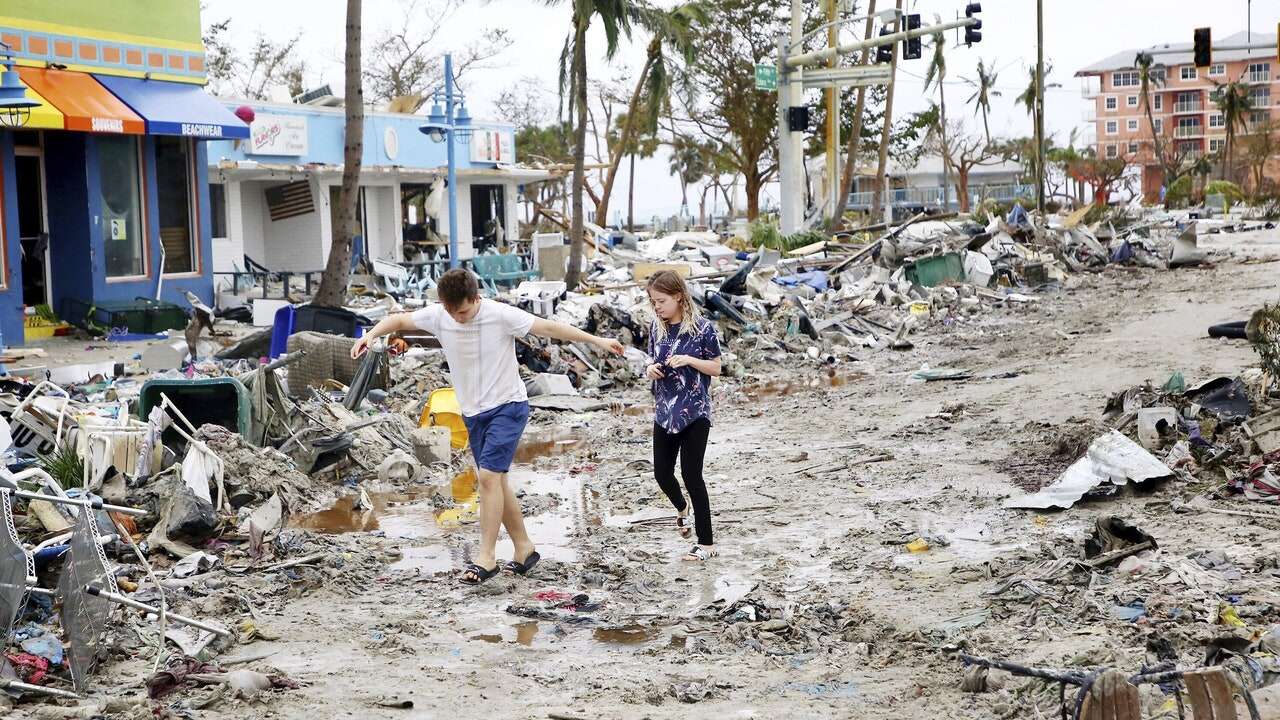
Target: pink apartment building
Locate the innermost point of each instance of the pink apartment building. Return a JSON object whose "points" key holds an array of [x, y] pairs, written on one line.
{"points": [[1182, 108]]}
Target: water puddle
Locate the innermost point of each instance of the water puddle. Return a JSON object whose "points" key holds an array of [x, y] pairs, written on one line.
{"points": [[521, 634], [427, 560], [628, 635], [397, 514], [554, 443], [558, 506], [784, 388]]}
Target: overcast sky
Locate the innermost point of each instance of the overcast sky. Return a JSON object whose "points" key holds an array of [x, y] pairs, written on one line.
{"points": [[1077, 33]]}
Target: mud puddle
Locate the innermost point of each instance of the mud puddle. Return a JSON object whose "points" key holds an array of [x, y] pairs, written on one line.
{"points": [[784, 388], [558, 507]]}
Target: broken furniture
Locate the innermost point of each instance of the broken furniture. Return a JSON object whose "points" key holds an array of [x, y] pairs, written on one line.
{"points": [[493, 270]]}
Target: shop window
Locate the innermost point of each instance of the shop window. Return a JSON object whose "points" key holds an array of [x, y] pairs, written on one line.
{"points": [[173, 184], [121, 205], [218, 209]]}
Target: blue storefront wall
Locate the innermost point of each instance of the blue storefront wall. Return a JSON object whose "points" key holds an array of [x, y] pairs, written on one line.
{"points": [[11, 294], [325, 131], [77, 234]]}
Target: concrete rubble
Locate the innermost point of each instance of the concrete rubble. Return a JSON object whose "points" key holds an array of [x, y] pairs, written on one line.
{"points": [[274, 478]]}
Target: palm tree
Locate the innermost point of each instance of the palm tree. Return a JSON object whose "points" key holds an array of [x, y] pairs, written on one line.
{"points": [[1030, 99], [688, 164], [984, 88], [1150, 78], [337, 270], [645, 146], [616, 18], [1233, 102], [674, 30], [937, 73]]}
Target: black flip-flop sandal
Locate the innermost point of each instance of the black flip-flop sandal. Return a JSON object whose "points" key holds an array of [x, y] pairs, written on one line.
{"points": [[523, 568], [479, 574]]}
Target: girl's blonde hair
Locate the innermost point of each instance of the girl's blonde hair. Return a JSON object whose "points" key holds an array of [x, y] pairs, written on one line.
{"points": [[668, 282]]}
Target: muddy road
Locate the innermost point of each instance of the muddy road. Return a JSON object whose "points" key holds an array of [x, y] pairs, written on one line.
{"points": [[815, 607]]}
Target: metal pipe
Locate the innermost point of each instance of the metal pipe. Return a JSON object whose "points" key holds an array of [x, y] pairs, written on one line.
{"points": [[96, 591], [95, 504], [26, 687], [819, 56]]}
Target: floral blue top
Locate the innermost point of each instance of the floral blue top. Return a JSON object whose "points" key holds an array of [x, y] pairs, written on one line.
{"points": [[683, 395]]}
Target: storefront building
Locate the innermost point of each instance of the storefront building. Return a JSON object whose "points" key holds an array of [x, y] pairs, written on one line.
{"points": [[276, 194], [104, 192]]}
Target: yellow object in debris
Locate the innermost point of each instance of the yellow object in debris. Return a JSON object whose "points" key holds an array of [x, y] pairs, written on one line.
{"points": [[1227, 616], [1041, 520], [443, 409], [919, 309], [918, 545]]}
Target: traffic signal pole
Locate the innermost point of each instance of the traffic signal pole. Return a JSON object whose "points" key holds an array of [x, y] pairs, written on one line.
{"points": [[790, 143], [796, 72]]}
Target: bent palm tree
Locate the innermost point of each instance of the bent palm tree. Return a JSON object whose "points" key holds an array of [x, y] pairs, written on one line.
{"points": [[984, 89], [672, 29], [1233, 102], [616, 18]]}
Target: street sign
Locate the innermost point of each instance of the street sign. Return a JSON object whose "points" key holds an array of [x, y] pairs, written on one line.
{"points": [[766, 77], [861, 76]]}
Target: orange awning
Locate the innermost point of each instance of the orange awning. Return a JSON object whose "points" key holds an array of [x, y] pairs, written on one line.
{"points": [[86, 105]]}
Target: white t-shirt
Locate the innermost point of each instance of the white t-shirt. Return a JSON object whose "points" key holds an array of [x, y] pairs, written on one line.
{"points": [[481, 353]]}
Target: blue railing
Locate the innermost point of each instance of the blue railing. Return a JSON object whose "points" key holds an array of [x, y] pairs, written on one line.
{"points": [[932, 196]]}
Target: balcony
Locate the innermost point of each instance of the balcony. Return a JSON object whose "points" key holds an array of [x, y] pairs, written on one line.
{"points": [[1188, 106], [1091, 115], [1188, 131], [1090, 87]]}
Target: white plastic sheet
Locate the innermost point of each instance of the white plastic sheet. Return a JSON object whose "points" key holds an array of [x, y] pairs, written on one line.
{"points": [[1111, 458]]}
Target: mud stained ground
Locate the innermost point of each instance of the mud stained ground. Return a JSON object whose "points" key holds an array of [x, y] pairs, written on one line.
{"points": [[814, 608]]}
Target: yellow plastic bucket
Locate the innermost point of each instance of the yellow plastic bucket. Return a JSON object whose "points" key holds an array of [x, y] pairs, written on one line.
{"points": [[443, 409]]}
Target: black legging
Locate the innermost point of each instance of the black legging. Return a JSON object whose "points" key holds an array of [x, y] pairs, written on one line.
{"points": [[691, 445]]}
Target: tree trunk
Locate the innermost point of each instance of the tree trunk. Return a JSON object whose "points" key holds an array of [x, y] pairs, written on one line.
{"points": [[753, 185], [702, 207], [628, 131], [881, 180], [337, 271], [855, 136], [962, 188], [631, 196], [578, 81]]}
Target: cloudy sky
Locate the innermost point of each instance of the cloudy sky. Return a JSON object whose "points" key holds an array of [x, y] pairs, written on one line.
{"points": [[1077, 33]]}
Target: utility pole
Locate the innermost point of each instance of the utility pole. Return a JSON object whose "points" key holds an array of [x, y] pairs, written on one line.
{"points": [[882, 182], [1040, 106], [833, 117], [790, 142]]}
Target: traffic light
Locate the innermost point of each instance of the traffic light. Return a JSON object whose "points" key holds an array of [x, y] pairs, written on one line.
{"points": [[973, 33], [884, 53], [911, 46], [1204, 47], [798, 118]]}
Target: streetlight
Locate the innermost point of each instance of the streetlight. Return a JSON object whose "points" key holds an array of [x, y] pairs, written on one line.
{"points": [[15, 106], [450, 122]]}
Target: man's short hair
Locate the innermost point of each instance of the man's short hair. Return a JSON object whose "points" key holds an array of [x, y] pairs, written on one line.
{"points": [[456, 287]]}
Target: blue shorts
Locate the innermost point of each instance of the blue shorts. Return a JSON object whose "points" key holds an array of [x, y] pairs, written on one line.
{"points": [[495, 434]]}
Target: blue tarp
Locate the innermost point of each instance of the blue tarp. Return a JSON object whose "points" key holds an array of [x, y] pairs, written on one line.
{"points": [[815, 279], [172, 108]]}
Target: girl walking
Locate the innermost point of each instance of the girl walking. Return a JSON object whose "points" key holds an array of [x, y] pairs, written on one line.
{"points": [[685, 354]]}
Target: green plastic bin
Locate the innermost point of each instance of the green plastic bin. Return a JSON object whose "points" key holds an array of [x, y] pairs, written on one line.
{"points": [[936, 270], [220, 401]]}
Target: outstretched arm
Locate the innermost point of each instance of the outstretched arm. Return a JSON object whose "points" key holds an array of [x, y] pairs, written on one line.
{"points": [[400, 322], [569, 333]]}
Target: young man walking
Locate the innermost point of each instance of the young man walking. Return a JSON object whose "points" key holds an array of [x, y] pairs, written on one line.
{"points": [[478, 337]]}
